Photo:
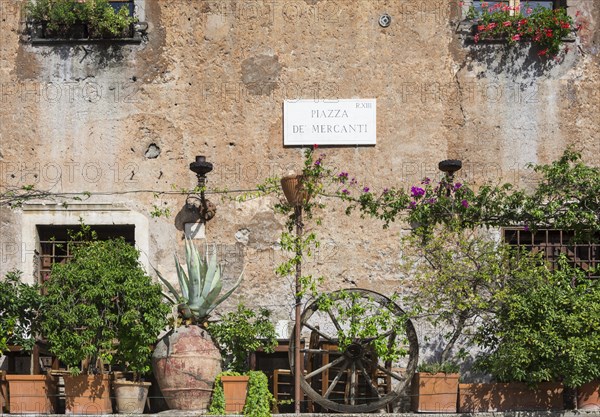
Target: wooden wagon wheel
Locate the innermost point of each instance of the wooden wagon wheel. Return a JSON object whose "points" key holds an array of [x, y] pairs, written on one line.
{"points": [[344, 371]]}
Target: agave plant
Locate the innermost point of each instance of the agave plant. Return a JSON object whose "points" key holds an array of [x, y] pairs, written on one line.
{"points": [[200, 286]]}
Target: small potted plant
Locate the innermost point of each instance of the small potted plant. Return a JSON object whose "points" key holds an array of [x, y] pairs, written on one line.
{"points": [[238, 334], [435, 387], [100, 308], [19, 311]]}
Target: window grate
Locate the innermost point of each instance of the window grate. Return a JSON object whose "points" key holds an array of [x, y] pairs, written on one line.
{"points": [[581, 253]]}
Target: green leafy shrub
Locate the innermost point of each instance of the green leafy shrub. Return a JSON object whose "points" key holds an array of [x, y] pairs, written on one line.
{"points": [[259, 400], [19, 311], [103, 306], [456, 278], [241, 332], [547, 329]]}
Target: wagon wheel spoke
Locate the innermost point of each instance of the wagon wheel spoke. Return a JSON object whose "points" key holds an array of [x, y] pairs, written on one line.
{"points": [[353, 383], [319, 332], [380, 336], [390, 373], [353, 318], [368, 379], [334, 321], [324, 367], [335, 381], [317, 351]]}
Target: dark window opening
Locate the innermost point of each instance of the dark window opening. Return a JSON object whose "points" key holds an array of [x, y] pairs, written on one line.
{"points": [[54, 241], [128, 4], [581, 252]]}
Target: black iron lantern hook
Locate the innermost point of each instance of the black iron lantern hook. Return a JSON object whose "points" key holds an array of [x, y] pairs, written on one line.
{"points": [[206, 209]]}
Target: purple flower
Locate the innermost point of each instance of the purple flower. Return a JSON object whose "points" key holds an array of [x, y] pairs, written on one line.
{"points": [[366, 190], [353, 181], [345, 191], [412, 204], [465, 203], [417, 191], [318, 162], [343, 177], [426, 181], [432, 201], [457, 186], [385, 190]]}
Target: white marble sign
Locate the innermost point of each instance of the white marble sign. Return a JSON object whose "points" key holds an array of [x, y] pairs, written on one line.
{"points": [[334, 122]]}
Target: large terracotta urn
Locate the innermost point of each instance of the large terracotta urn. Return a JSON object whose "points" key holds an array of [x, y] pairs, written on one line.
{"points": [[186, 362]]}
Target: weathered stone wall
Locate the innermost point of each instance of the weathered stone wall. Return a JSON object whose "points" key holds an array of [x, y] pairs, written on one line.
{"points": [[125, 121]]}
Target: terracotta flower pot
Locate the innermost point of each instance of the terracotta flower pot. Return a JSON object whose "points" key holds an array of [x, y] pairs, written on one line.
{"points": [[235, 389], [3, 392], [32, 394], [434, 393], [185, 363], [87, 394], [293, 189], [588, 396], [130, 396], [512, 396]]}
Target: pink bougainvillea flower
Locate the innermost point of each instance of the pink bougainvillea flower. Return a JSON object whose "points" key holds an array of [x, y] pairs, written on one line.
{"points": [[481, 28], [543, 52], [516, 37], [507, 23], [529, 10]]}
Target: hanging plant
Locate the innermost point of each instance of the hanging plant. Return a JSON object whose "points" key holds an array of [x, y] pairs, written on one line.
{"points": [[546, 28]]}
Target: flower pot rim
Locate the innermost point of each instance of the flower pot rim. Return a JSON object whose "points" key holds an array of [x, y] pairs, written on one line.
{"points": [[21, 377], [235, 378], [125, 382]]}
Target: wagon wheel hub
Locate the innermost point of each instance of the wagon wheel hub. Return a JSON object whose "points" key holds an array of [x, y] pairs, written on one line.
{"points": [[354, 351]]}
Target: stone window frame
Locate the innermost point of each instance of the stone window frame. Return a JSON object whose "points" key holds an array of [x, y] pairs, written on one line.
{"points": [[55, 245], [39, 214], [137, 7]]}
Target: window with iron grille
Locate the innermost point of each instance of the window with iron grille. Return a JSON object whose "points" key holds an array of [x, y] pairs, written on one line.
{"points": [[581, 252], [56, 246]]}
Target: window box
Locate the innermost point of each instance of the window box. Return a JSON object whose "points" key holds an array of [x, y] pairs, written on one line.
{"points": [[544, 23], [74, 21]]}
